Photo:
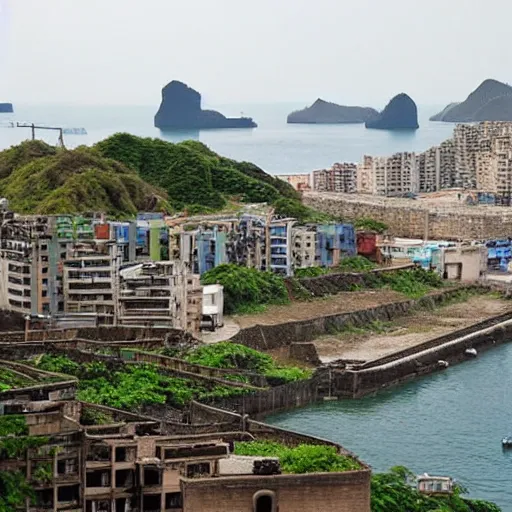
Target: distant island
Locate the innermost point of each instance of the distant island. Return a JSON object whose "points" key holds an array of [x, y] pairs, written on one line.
{"points": [[324, 112], [400, 113], [490, 101], [6, 108], [181, 109]]}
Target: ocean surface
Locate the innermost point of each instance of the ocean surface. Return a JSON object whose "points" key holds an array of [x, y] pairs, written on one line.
{"points": [[275, 146], [449, 423]]}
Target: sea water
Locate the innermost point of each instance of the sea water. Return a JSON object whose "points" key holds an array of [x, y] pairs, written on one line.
{"points": [[277, 147], [450, 424]]}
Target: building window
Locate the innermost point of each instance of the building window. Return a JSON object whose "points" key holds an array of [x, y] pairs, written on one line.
{"points": [[198, 470], [264, 501], [173, 500]]}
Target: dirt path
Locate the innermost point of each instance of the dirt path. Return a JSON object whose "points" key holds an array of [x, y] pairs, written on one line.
{"points": [[409, 330]]}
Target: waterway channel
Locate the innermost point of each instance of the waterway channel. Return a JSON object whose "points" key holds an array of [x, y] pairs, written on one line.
{"points": [[449, 423]]}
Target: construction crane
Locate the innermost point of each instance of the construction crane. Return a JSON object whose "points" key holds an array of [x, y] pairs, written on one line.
{"points": [[33, 127]]}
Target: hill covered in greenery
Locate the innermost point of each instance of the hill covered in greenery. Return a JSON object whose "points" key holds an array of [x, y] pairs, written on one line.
{"points": [[124, 174], [38, 178], [193, 175]]}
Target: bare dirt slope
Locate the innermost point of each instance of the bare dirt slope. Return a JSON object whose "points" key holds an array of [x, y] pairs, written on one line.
{"points": [[409, 330], [340, 303]]}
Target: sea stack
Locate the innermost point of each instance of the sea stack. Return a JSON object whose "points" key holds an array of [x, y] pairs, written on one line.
{"points": [[6, 108], [181, 110], [324, 112], [490, 101], [400, 113]]}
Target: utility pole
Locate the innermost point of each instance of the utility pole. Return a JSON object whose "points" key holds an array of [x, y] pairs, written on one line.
{"points": [[33, 128]]}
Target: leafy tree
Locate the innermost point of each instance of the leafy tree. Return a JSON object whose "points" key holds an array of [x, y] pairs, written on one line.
{"points": [[245, 287]]}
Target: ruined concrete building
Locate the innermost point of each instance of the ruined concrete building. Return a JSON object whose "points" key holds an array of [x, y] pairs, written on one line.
{"points": [[341, 177], [477, 157], [82, 457], [389, 176], [162, 294], [91, 280], [69, 269]]}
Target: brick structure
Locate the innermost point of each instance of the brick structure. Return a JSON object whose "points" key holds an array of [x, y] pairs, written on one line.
{"points": [[341, 492]]}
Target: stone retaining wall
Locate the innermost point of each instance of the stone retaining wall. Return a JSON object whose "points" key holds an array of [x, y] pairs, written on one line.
{"points": [[409, 218], [268, 337], [280, 398]]}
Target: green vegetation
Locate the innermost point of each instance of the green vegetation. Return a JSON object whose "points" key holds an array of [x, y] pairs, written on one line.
{"points": [[414, 283], [305, 458], [392, 492], [240, 357], [13, 425], [124, 174], [302, 273], [14, 490], [10, 380], [95, 417], [288, 207], [133, 386], [247, 288], [194, 176], [355, 264], [43, 473], [37, 178], [14, 440], [367, 224]]}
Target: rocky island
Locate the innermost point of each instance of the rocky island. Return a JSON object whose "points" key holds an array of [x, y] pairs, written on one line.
{"points": [[181, 109], [325, 112], [400, 113], [490, 101], [6, 108]]}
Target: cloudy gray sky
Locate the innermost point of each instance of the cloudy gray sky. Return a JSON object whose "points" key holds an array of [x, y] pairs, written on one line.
{"points": [[233, 51]]}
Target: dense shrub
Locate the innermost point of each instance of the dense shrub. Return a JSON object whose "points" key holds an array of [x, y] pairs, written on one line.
{"points": [[355, 264], [393, 492], [246, 287], [305, 458], [14, 491], [301, 273], [235, 356], [414, 283], [367, 224], [131, 387]]}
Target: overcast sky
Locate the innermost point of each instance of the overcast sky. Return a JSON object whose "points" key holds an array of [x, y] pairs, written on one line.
{"points": [[247, 51]]}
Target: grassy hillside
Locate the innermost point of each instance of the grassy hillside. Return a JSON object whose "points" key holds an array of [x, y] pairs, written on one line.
{"points": [[192, 174], [124, 174], [37, 178]]}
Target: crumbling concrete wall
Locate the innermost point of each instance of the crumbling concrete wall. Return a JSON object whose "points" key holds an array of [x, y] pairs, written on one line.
{"points": [[408, 218]]}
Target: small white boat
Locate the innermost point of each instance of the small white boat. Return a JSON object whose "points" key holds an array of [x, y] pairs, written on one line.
{"points": [[506, 442], [471, 352]]}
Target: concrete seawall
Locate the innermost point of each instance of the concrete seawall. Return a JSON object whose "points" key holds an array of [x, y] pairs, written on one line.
{"points": [[384, 373]]}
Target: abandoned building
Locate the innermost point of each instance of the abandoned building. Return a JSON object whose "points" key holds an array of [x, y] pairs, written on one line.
{"points": [[477, 157], [72, 271], [131, 463]]}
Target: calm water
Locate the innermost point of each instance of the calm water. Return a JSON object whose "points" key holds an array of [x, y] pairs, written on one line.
{"points": [[274, 145], [450, 423]]}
